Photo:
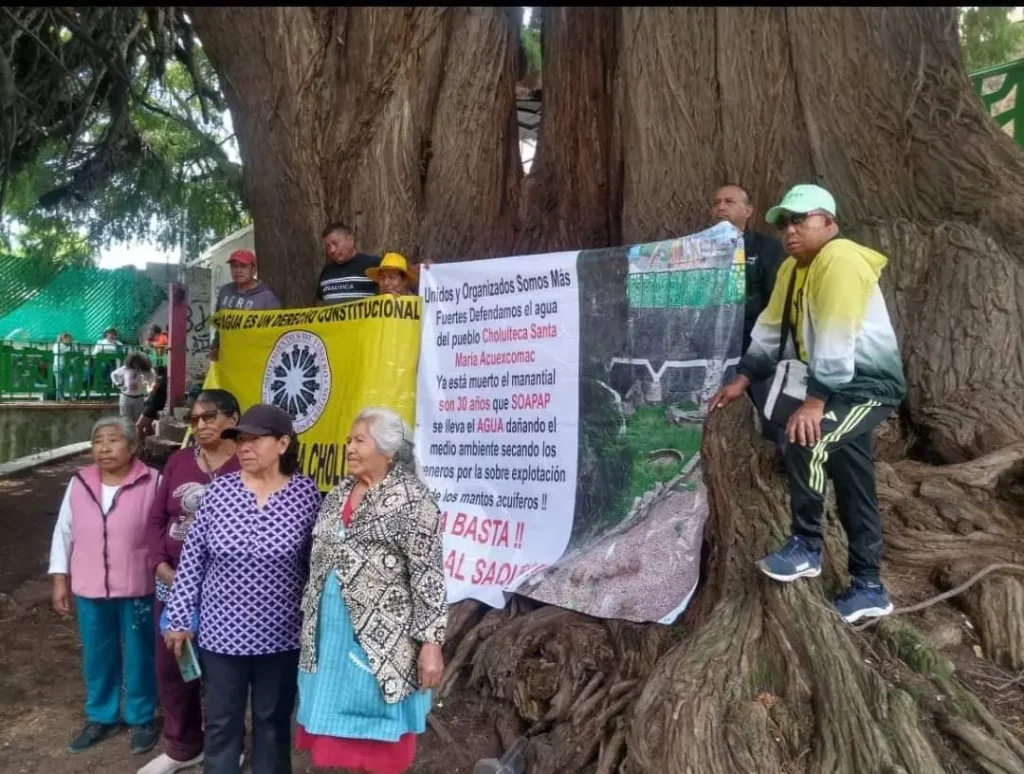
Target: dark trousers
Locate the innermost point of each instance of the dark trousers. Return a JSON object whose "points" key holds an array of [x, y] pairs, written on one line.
{"points": [[227, 681], [845, 454], [182, 702]]}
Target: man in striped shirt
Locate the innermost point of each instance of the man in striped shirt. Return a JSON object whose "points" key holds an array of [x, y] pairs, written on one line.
{"points": [[344, 277]]}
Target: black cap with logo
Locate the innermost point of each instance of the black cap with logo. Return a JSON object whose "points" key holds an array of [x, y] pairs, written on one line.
{"points": [[261, 419]]}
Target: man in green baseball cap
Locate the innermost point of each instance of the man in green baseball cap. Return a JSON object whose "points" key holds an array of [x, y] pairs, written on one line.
{"points": [[803, 200], [826, 342]]}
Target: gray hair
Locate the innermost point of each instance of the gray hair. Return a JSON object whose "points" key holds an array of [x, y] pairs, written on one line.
{"points": [[390, 433], [126, 428]]}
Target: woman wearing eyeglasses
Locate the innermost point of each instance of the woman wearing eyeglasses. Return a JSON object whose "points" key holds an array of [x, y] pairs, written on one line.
{"points": [[185, 477]]}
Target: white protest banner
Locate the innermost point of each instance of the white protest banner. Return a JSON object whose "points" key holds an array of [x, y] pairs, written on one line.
{"points": [[497, 416]]}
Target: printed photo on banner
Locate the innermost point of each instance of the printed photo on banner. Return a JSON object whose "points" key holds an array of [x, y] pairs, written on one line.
{"points": [[559, 412]]}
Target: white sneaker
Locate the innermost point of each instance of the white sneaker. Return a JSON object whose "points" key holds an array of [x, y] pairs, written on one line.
{"points": [[164, 764]]}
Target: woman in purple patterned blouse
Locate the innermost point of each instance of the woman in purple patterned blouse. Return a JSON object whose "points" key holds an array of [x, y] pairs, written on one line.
{"points": [[185, 478], [245, 563]]}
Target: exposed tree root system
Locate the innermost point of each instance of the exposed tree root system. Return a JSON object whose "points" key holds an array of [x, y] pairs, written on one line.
{"points": [[765, 677]]}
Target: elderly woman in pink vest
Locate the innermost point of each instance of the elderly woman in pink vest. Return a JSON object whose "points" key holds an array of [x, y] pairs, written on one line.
{"points": [[99, 558]]}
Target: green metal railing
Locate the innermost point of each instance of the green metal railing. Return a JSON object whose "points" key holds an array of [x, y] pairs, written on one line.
{"points": [[994, 95], [33, 371]]}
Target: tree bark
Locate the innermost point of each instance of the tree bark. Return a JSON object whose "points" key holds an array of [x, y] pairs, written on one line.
{"points": [[403, 122], [400, 122], [572, 194]]}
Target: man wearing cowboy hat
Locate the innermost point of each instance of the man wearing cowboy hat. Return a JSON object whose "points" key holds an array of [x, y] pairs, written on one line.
{"points": [[393, 276]]}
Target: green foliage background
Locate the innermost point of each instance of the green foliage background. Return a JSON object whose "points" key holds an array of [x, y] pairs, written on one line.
{"points": [[149, 166], [529, 39], [988, 37]]}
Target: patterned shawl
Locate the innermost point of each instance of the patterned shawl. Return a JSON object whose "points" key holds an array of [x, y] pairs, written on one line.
{"points": [[389, 566]]}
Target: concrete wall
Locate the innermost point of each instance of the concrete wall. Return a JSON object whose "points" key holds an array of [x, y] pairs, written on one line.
{"points": [[30, 427], [198, 332], [197, 339]]}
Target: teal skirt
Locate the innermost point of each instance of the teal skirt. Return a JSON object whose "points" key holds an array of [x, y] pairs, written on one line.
{"points": [[342, 698]]}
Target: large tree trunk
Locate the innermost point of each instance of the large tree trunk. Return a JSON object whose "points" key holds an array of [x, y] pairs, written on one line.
{"points": [[400, 122], [403, 122]]}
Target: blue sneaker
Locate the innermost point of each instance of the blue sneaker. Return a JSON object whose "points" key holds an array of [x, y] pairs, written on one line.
{"points": [[794, 560], [92, 734], [863, 600]]}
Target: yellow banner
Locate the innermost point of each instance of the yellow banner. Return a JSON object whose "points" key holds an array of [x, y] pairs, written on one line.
{"points": [[323, 366]]}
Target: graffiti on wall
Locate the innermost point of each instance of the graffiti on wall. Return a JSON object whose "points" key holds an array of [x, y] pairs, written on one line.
{"points": [[197, 333], [197, 329]]}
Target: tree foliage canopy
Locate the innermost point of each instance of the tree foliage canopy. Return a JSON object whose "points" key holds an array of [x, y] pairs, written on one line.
{"points": [[112, 130], [529, 39], [988, 37]]}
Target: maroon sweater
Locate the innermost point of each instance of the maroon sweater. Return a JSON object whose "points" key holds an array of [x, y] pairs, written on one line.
{"points": [[177, 498]]}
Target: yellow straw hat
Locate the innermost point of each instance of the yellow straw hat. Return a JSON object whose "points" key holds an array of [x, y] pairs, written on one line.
{"points": [[394, 261]]}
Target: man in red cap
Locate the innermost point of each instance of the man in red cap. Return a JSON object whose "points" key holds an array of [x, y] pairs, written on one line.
{"points": [[244, 292]]}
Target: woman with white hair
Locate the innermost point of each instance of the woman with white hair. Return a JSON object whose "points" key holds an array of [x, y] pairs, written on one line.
{"points": [[100, 540], [374, 609]]}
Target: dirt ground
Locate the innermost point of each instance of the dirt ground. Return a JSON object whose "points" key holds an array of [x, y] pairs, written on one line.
{"points": [[41, 691], [41, 695]]}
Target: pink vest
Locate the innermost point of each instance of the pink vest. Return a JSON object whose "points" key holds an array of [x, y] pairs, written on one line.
{"points": [[109, 555]]}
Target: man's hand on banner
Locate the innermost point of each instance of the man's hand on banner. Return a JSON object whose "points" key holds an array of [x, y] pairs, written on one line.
{"points": [[729, 393], [804, 426], [416, 268]]}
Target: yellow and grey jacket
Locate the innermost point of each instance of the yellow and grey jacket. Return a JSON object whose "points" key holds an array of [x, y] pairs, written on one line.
{"points": [[840, 324]]}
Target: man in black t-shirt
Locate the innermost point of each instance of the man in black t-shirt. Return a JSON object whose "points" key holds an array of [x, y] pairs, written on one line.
{"points": [[344, 277]]}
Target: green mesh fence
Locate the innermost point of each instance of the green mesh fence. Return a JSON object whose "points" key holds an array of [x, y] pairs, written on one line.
{"points": [[84, 302], [34, 371], [21, 279]]}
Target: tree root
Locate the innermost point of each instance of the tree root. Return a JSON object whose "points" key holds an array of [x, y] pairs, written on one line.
{"points": [[485, 627], [1000, 567], [993, 757], [980, 473], [440, 729], [761, 676], [996, 607]]}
